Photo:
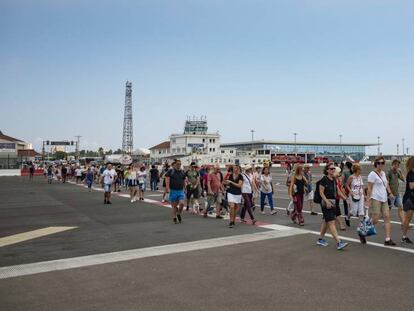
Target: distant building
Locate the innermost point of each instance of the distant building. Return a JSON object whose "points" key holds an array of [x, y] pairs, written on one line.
{"points": [[196, 144], [160, 152], [306, 150], [28, 155], [14, 151]]}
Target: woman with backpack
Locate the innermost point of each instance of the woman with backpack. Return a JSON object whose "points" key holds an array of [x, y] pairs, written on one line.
{"points": [[327, 189]]}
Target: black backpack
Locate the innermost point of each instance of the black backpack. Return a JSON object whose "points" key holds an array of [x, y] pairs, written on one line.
{"points": [[317, 195]]}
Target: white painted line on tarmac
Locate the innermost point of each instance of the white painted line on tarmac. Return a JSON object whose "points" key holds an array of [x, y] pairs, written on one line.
{"points": [[30, 235], [276, 227], [92, 260]]}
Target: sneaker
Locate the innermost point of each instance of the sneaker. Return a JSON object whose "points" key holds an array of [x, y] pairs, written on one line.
{"points": [[242, 220], [231, 224], [389, 243], [254, 222], [219, 217], [363, 239], [348, 222], [104, 201], [175, 220], [341, 245], [322, 242], [314, 214], [179, 218], [108, 202], [132, 201], [262, 212], [274, 212], [205, 215], [406, 240]]}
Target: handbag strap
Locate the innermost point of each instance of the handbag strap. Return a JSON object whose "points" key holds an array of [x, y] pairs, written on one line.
{"points": [[245, 175], [381, 179]]}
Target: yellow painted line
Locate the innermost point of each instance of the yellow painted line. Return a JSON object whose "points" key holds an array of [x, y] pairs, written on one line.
{"points": [[30, 235]]}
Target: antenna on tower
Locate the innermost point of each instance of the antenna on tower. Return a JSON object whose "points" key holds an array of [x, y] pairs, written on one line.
{"points": [[127, 135]]}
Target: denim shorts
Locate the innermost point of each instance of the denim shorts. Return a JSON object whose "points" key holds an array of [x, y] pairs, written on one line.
{"points": [[176, 195], [396, 201], [107, 187]]}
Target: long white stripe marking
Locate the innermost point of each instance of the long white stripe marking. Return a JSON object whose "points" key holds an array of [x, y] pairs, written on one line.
{"points": [[84, 261]]}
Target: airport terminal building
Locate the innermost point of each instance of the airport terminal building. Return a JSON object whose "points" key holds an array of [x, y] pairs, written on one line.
{"points": [[196, 144], [309, 151]]}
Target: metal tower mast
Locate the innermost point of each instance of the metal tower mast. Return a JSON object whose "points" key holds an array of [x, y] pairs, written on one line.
{"points": [[127, 137]]}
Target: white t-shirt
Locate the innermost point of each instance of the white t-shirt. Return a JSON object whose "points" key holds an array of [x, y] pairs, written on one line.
{"points": [[132, 175], [109, 176], [379, 188], [266, 183], [141, 176], [247, 183], [78, 172]]}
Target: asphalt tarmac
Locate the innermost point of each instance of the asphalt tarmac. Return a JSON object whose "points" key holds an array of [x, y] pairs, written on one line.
{"points": [[130, 256]]}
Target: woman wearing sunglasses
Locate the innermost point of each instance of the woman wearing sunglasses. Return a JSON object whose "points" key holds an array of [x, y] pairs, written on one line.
{"points": [[378, 193], [328, 190]]}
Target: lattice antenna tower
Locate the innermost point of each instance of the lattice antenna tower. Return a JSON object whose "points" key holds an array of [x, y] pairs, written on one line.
{"points": [[127, 136]]}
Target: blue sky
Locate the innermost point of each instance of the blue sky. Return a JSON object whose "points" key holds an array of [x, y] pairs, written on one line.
{"points": [[316, 67]]}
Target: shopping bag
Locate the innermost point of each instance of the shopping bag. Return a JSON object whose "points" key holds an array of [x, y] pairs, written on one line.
{"points": [[366, 227]]}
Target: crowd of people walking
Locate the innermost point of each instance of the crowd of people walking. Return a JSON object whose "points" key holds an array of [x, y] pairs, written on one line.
{"points": [[237, 191]]}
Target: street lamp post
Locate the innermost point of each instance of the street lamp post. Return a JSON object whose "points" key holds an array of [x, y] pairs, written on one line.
{"points": [[403, 147], [379, 151], [77, 146], [295, 134], [252, 131]]}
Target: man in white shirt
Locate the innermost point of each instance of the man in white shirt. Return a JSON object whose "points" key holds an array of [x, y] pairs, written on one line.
{"points": [[108, 177], [78, 174]]}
